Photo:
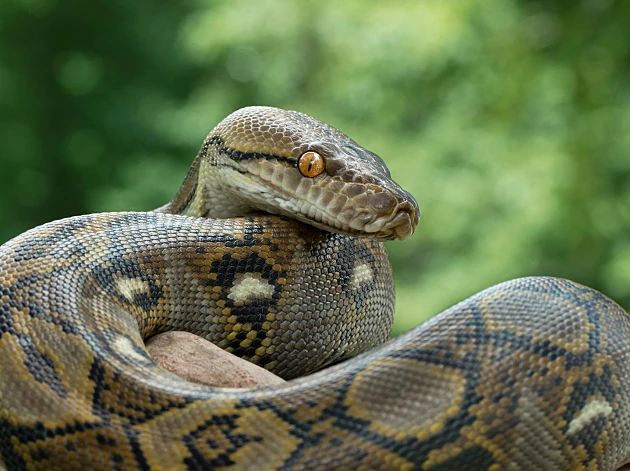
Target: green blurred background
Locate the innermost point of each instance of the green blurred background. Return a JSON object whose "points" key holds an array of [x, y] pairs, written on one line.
{"points": [[508, 120]]}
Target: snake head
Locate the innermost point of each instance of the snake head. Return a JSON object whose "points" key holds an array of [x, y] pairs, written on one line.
{"points": [[288, 163]]}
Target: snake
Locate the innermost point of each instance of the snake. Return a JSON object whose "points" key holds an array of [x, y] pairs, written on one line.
{"points": [[273, 249]]}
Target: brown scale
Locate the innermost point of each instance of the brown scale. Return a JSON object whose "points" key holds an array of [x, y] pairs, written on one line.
{"points": [[531, 374]]}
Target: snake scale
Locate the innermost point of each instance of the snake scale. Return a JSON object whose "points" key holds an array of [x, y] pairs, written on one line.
{"points": [[272, 249]]}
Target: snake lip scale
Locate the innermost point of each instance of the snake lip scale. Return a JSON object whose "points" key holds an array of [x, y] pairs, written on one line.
{"points": [[272, 249]]}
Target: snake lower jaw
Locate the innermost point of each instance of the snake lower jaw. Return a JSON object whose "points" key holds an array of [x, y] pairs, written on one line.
{"points": [[363, 221], [401, 226], [356, 223]]}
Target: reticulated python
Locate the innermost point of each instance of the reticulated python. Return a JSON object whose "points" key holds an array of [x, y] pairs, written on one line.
{"points": [[532, 374]]}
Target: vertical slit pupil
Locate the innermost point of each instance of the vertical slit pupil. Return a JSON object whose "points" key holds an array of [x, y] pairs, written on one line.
{"points": [[311, 163]]}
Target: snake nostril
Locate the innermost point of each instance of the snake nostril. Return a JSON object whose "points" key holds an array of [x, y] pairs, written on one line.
{"points": [[410, 206], [413, 211]]}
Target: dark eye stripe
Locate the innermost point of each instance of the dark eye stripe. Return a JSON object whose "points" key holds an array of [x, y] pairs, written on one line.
{"points": [[238, 156]]}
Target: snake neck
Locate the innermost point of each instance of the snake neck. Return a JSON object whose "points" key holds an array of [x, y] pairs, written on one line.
{"points": [[202, 193]]}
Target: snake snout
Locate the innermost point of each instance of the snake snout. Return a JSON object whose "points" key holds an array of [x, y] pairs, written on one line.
{"points": [[401, 221], [404, 223], [383, 213]]}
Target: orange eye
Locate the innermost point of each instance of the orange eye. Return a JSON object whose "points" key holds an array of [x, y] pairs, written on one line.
{"points": [[311, 164]]}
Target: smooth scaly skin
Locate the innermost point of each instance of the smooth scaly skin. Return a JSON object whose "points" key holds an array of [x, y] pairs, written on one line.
{"points": [[531, 374]]}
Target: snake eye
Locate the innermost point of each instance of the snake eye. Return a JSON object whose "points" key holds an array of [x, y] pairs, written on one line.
{"points": [[311, 164]]}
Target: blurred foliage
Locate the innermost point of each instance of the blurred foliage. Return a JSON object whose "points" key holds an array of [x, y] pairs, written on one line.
{"points": [[507, 119]]}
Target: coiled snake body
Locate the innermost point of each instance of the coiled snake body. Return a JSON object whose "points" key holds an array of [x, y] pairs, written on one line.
{"points": [[530, 374]]}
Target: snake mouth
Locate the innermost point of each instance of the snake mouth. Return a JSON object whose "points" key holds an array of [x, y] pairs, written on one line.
{"points": [[398, 227], [399, 224], [361, 210], [382, 211]]}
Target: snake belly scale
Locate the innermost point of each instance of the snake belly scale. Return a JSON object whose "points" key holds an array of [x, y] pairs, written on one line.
{"points": [[281, 261]]}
